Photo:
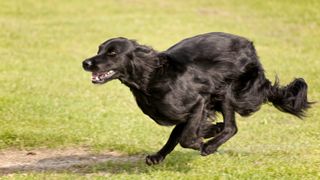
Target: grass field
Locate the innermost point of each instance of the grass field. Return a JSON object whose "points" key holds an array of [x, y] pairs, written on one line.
{"points": [[48, 101]]}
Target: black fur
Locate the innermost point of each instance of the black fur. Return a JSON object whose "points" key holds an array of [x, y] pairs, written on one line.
{"points": [[188, 83]]}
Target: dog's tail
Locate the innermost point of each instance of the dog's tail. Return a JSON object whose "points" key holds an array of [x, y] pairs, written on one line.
{"points": [[291, 98]]}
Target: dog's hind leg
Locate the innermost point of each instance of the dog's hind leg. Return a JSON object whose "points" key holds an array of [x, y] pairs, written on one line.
{"points": [[229, 129], [168, 147], [211, 130]]}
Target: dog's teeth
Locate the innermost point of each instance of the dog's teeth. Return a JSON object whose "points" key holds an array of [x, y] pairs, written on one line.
{"points": [[101, 76], [109, 72]]}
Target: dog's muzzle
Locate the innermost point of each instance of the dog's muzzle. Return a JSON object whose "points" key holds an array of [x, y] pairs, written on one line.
{"points": [[87, 65]]}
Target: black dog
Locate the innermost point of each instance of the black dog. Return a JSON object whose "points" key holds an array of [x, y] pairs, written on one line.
{"points": [[188, 83]]}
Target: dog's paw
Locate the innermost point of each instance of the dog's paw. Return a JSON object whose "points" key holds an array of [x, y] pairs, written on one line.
{"points": [[192, 143], [205, 150], [154, 159]]}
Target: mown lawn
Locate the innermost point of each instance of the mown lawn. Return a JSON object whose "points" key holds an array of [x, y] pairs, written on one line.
{"points": [[47, 100]]}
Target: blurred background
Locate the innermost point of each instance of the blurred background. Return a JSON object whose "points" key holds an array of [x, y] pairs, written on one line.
{"points": [[47, 100]]}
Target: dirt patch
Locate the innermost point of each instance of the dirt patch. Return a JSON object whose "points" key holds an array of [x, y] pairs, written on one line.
{"points": [[70, 159]]}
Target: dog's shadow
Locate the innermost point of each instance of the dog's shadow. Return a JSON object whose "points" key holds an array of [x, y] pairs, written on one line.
{"points": [[103, 164]]}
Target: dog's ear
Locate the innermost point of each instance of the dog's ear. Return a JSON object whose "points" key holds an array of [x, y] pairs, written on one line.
{"points": [[100, 48], [111, 51], [142, 51]]}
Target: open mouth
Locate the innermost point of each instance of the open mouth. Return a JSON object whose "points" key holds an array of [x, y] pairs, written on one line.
{"points": [[102, 77]]}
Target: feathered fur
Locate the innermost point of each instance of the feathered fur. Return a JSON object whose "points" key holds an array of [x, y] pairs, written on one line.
{"points": [[194, 79]]}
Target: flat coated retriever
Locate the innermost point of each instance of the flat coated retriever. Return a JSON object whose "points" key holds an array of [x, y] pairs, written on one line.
{"points": [[190, 82]]}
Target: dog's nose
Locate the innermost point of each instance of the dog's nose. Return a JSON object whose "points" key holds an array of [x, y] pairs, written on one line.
{"points": [[87, 65]]}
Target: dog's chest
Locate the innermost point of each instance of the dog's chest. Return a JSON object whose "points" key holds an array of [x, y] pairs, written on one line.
{"points": [[160, 111]]}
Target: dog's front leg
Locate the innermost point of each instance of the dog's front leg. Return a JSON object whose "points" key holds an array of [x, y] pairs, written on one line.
{"points": [[184, 133], [190, 137], [168, 147]]}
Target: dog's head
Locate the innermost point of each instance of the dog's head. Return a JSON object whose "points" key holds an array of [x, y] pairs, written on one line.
{"points": [[111, 60]]}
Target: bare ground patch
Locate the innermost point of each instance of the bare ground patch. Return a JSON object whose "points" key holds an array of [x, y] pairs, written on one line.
{"points": [[70, 159]]}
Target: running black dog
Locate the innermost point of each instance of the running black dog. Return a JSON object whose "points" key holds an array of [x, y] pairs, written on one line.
{"points": [[188, 83]]}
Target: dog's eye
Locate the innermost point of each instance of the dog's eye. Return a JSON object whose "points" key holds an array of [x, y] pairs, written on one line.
{"points": [[111, 53]]}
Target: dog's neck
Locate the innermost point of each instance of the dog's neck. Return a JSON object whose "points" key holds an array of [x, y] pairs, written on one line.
{"points": [[142, 71]]}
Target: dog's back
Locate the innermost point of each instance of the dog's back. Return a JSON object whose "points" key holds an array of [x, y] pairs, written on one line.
{"points": [[206, 47], [235, 70]]}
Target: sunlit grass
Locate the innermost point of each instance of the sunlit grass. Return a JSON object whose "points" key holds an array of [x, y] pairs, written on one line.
{"points": [[47, 100]]}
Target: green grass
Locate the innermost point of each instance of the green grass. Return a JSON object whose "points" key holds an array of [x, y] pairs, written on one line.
{"points": [[47, 100]]}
